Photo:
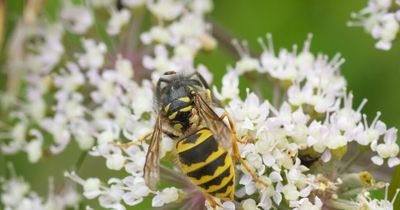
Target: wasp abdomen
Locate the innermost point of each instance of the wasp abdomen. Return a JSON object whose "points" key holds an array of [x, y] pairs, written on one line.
{"points": [[207, 164]]}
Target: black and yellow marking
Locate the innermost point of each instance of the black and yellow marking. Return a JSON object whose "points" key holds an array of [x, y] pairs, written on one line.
{"points": [[173, 115], [166, 108], [178, 113], [207, 164], [184, 99], [178, 126], [186, 109]]}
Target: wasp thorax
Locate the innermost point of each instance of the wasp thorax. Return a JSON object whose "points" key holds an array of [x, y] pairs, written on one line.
{"points": [[177, 103]]}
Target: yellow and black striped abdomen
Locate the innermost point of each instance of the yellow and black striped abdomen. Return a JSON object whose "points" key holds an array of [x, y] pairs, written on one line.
{"points": [[207, 164]]}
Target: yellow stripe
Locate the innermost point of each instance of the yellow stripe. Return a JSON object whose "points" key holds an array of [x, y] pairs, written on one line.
{"points": [[228, 195], [186, 109], [184, 99], [223, 183], [220, 170], [186, 169], [183, 146], [173, 115], [166, 108]]}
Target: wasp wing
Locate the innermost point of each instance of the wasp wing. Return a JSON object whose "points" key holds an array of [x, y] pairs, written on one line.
{"points": [[218, 127], [152, 164]]}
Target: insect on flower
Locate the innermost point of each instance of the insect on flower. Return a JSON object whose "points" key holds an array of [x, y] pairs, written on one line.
{"points": [[206, 147]]}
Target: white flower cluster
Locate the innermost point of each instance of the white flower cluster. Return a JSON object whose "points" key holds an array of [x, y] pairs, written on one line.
{"points": [[17, 195], [46, 50], [315, 114], [381, 19], [182, 31], [87, 96]]}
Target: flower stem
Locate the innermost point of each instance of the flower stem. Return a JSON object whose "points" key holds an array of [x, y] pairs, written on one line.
{"points": [[276, 95], [350, 162], [225, 39], [2, 22], [339, 204], [80, 161]]}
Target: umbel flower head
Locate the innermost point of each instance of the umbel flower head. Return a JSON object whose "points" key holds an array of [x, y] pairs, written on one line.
{"points": [[100, 95], [381, 19]]}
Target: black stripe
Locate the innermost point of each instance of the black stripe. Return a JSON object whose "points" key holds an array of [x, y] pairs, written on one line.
{"points": [[200, 152], [224, 189], [209, 169], [217, 180]]}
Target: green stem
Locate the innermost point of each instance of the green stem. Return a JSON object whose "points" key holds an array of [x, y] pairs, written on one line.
{"points": [[80, 161], [350, 162], [351, 193], [394, 185], [340, 204], [225, 39], [276, 94], [3, 171], [132, 39]]}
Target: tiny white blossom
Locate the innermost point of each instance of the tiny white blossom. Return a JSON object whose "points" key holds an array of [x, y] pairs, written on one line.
{"points": [[378, 19], [77, 19], [372, 132], [305, 204], [115, 162], [166, 196], [250, 114], [94, 56], [117, 21], [365, 202], [156, 34], [17, 194], [230, 86], [249, 204], [124, 67], [34, 150], [165, 9], [91, 188], [246, 62], [387, 150]]}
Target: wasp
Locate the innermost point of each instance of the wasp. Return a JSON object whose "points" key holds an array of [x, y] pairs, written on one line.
{"points": [[206, 147]]}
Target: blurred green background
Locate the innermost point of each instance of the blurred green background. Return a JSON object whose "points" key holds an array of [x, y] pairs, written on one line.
{"points": [[371, 73]]}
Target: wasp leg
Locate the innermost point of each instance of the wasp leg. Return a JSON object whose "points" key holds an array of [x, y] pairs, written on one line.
{"points": [[142, 138], [235, 149], [244, 140], [212, 202]]}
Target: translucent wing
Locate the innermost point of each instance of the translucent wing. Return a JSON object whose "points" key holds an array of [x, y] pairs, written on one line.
{"points": [[220, 130], [152, 165]]}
